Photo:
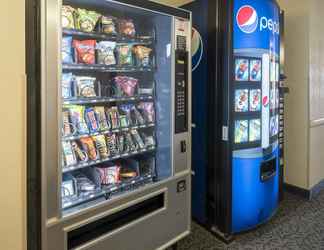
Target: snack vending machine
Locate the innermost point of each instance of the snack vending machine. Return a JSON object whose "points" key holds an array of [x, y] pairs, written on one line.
{"points": [[238, 179], [115, 124]]}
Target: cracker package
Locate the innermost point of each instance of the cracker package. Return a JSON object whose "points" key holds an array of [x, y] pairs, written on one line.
{"points": [[68, 14], [106, 52], [124, 53], [89, 147], [142, 55], [86, 20], [85, 51], [85, 86], [127, 27], [108, 25]]}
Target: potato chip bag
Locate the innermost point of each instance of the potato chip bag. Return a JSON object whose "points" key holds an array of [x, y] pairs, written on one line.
{"points": [[90, 148], [85, 51], [68, 14], [86, 20]]}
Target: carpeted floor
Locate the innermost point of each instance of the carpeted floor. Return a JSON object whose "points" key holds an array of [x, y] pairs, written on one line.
{"points": [[299, 224]]}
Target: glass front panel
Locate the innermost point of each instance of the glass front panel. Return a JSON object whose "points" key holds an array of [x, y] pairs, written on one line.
{"points": [[116, 101]]}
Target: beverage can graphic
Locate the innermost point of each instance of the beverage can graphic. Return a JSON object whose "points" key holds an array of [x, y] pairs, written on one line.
{"points": [[274, 125], [255, 100], [272, 98], [241, 70], [241, 131], [241, 100], [255, 130], [255, 70]]}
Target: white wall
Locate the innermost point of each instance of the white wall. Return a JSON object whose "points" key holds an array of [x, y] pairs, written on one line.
{"points": [[12, 126]]}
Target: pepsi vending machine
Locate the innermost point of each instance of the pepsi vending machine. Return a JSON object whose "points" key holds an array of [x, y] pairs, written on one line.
{"points": [[236, 177]]}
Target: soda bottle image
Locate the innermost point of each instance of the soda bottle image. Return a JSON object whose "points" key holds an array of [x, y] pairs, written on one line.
{"points": [[241, 72], [255, 71]]}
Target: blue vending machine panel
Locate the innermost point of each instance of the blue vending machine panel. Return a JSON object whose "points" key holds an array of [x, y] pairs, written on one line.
{"points": [[255, 164]]}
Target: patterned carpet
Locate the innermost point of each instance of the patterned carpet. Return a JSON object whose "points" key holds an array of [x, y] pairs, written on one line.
{"points": [[299, 224]]}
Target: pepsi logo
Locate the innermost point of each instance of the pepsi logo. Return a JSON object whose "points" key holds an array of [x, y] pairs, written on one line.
{"points": [[247, 19], [265, 101]]}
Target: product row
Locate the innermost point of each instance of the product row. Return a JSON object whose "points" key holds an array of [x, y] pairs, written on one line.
{"points": [[107, 53], [251, 70], [250, 100], [81, 120], [250, 130], [89, 21], [87, 87], [104, 147], [87, 181]]}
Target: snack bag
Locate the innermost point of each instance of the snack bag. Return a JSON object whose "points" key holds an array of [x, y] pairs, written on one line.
{"points": [[66, 123], [101, 118], [127, 27], [69, 157], [109, 175], [137, 138], [80, 154], [91, 120], [77, 119], [121, 143], [113, 115], [142, 55], [85, 51], [86, 20], [101, 145], [136, 117], [148, 140], [90, 148], [108, 25], [68, 17], [112, 144], [85, 86], [106, 53], [67, 85], [124, 53], [147, 109], [130, 146], [125, 119], [130, 169], [126, 85], [67, 54]]}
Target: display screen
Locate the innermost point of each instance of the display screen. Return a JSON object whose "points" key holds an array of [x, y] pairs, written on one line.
{"points": [[255, 70], [255, 130], [255, 100], [241, 100], [241, 131], [241, 69]]}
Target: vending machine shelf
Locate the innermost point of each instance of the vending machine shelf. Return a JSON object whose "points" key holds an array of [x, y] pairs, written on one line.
{"points": [[104, 68], [139, 40], [79, 166], [121, 129], [107, 99]]}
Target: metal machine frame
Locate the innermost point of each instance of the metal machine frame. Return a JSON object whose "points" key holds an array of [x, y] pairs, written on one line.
{"points": [[47, 229]]}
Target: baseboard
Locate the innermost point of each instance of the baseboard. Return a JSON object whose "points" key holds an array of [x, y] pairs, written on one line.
{"points": [[316, 189], [305, 193]]}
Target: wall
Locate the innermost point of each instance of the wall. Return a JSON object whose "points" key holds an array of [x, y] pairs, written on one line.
{"points": [[316, 87], [12, 126], [297, 71]]}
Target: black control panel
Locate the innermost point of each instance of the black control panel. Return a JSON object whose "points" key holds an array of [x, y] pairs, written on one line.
{"points": [[181, 89]]}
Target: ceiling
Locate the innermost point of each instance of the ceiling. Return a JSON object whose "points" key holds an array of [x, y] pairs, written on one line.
{"points": [[173, 2]]}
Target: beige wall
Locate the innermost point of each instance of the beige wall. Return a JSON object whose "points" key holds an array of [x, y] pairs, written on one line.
{"points": [[12, 126], [316, 87], [297, 54]]}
